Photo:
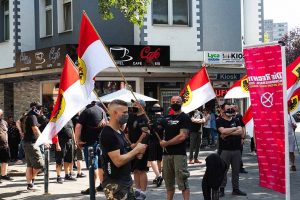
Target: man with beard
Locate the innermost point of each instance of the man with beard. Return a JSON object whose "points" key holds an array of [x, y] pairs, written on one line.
{"points": [[116, 154], [231, 132], [137, 132], [175, 159]]}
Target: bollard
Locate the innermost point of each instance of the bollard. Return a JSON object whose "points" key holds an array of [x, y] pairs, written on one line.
{"points": [[46, 171], [92, 173]]}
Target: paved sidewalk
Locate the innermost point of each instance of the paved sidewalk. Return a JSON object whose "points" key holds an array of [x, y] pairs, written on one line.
{"points": [[71, 190]]}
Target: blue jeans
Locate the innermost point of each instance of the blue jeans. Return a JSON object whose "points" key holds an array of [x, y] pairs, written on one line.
{"points": [[86, 155], [21, 154]]}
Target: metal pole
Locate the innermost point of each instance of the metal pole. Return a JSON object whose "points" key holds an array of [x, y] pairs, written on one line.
{"points": [[92, 173], [46, 172]]}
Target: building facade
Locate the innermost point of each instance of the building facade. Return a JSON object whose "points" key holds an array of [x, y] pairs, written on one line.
{"points": [[274, 31], [158, 59]]}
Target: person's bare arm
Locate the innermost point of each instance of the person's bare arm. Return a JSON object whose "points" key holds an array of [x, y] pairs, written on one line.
{"points": [[78, 128], [36, 131], [120, 160], [177, 139]]}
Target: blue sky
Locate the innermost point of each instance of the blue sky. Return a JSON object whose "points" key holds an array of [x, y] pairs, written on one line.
{"points": [[283, 11]]}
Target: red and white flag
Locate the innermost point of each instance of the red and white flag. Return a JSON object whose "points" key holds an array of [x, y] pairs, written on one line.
{"points": [[71, 99], [197, 92], [248, 121], [92, 54], [293, 86], [239, 89]]}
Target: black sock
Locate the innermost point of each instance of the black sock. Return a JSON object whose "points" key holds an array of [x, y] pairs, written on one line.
{"points": [[32, 181]]}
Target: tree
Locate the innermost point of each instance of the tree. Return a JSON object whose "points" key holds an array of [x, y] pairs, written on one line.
{"points": [[292, 42], [133, 10]]}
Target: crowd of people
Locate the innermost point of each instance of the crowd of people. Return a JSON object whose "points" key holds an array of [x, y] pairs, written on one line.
{"points": [[126, 142]]}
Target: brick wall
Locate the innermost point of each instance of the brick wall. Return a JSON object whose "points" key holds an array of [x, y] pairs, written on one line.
{"points": [[24, 93]]}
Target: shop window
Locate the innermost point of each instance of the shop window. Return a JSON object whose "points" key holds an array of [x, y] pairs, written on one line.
{"points": [[171, 12], [106, 87], [49, 96], [6, 20]]}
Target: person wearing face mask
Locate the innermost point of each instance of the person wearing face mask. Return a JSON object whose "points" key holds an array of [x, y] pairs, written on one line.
{"points": [[174, 158], [116, 154], [155, 150], [230, 131], [137, 132], [33, 155]]}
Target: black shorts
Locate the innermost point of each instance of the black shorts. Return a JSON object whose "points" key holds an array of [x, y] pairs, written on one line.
{"points": [[140, 164], [4, 155], [155, 152], [66, 154]]}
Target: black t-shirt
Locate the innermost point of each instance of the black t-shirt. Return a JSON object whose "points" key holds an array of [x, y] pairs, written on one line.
{"points": [[110, 140], [174, 124], [240, 118], [231, 142], [158, 126], [90, 119], [31, 120], [135, 124], [66, 133]]}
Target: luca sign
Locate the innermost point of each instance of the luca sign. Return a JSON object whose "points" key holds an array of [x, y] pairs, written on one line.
{"points": [[218, 57]]}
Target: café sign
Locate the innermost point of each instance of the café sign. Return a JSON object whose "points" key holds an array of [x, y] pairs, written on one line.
{"points": [[124, 55]]}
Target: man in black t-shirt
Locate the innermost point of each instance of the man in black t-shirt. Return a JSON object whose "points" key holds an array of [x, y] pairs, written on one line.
{"points": [[87, 131], [116, 154], [175, 159], [230, 131], [33, 155], [137, 125], [64, 152]]}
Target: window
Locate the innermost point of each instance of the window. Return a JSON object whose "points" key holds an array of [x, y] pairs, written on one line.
{"points": [[67, 15], [64, 15], [180, 12], [48, 9], [6, 20], [171, 12], [160, 11]]}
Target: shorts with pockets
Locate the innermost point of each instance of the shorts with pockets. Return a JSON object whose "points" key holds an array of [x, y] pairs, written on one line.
{"points": [[175, 167], [33, 156]]}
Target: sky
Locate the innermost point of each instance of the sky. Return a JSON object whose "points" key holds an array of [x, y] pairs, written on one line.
{"points": [[283, 11]]}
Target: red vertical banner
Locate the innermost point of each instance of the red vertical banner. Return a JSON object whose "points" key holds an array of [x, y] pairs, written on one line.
{"points": [[264, 70]]}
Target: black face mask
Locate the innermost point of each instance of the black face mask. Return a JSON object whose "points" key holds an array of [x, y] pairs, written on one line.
{"points": [[229, 112], [176, 107]]}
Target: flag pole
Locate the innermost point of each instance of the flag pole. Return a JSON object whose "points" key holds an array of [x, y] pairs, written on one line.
{"points": [[122, 75], [104, 106], [285, 113]]}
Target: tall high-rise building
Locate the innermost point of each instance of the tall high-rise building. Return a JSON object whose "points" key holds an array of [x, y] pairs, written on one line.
{"points": [[274, 31]]}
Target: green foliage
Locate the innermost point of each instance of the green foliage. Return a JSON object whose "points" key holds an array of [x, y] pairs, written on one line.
{"points": [[292, 48], [133, 10]]}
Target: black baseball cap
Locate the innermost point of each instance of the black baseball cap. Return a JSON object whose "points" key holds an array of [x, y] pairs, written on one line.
{"points": [[35, 104]]}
